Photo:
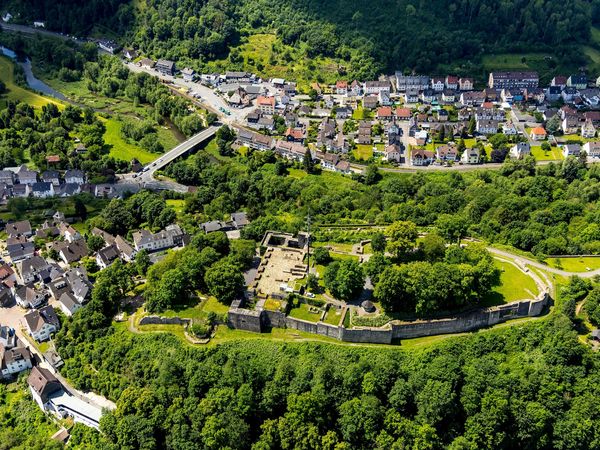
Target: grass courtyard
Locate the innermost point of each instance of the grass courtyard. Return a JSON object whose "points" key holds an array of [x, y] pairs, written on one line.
{"points": [[514, 285], [554, 154], [582, 264]]}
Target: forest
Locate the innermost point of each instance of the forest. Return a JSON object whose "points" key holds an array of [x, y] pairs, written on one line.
{"points": [[366, 38], [530, 386]]}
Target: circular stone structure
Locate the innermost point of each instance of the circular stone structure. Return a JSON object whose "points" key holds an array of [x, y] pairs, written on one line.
{"points": [[368, 306]]}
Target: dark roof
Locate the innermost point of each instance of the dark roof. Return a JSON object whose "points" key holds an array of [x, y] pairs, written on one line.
{"points": [[43, 382]]}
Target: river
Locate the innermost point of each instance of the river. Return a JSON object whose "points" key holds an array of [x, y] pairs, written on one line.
{"points": [[33, 82]]}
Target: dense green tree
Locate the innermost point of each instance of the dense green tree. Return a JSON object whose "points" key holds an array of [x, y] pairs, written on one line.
{"points": [[344, 279], [224, 281], [402, 238]]}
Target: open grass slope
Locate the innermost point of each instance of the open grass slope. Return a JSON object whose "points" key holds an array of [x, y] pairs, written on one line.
{"points": [[514, 285], [17, 93]]}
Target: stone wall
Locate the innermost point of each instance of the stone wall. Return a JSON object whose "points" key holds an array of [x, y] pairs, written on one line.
{"points": [[260, 321], [157, 320]]}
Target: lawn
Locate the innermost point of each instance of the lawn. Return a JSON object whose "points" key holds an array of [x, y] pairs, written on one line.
{"points": [[553, 155], [177, 205], [514, 60], [18, 93], [305, 312], [514, 285], [575, 264], [363, 152], [121, 149], [333, 316], [360, 113]]}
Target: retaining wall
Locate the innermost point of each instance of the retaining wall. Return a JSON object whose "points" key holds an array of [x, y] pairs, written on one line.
{"points": [[259, 321], [157, 320]]}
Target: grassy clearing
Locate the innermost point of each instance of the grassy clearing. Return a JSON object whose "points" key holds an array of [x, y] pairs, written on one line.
{"points": [[121, 149], [575, 264], [306, 312], [17, 93], [264, 54], [514, 60], [363, 152], [333, 316], [177, 205], [553, 155], [514, 285]]}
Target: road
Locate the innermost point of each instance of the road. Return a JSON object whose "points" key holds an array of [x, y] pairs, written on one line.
{"points": [[523, 260]]}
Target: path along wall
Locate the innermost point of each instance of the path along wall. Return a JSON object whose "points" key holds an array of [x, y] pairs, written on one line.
{"points": [[260, 321]]}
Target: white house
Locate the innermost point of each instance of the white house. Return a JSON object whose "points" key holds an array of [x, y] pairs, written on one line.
{"points": [[14, 360], [42, 323], [470, 156], [592, 149], [68, 304], [28, 296], [520, 150]]}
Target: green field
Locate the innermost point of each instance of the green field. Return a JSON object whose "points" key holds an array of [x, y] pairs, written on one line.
{"points": [[363, 152], [514, 60], [18, 93], [553, 155], [574, 264], [120, 149], [514, 285], [333, 316]]}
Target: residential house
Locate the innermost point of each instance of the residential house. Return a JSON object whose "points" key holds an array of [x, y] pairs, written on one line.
{"points": [[290, 150], [48, 393], [553, 93], [130, 53], [509, 129], [328, 161], [421, 157], [559, 81], [392, 153], [472, 98], [343, 112], [384, 113], [20, 228], [41, 323], [19, 249], [106, 256], [411, 96], [577, 81], [411, 82], [403, 113], [146, 63], [75, 176], [69, 233], [471, 156], [51, 176], [266, 105], [341, 87], [14, 360], [108, 46], [503, 80], [571, 124], [74, 251], [32, 269], [571, 150], [448, 96], [538, 134], [79, 283], [356, 88], [6, 296], [536, 95], [429, 96], [592, 149], [340, 144], [42, 189], [370, 101], [188, 74], [7, 177], [437, 84], [165, 67], [295, 135], [28, 296], [520, 150], [487, 126], [125, 249], [465, 84], [452, 82], [8, 277], [442, 115], [588, 130], [108, 238], [8, 337], [446, 153], [171, 236], [568, 94], [375, 87], [68, 304], [384, 98]]}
